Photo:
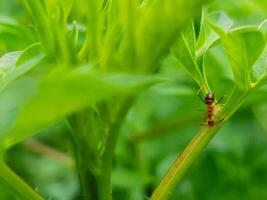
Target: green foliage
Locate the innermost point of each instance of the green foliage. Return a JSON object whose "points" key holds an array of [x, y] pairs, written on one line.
{"points": [[13, 36], [243, 47], [99, 68], [16, 64], [73, 92]]}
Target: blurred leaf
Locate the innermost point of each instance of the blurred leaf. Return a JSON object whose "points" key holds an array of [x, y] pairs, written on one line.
{"points": [[30, 52], [262, 4], [14, 64], [37, 11], [58, 96], [13, 35], [52, 28], [263, 26], [157, 32], [57, 8], [66, 6], [74, 33], [8, 62], [259, 72]]}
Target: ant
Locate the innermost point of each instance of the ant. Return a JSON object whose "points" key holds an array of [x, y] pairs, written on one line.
{"points": [[209, 100]]}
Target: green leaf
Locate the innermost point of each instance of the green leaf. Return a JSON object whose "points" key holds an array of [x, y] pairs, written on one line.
{"points": [[184, 51], [54, 7], [18, 188], [37, 105], [259, 70], [191, 51], [30, 52], [8, 62], [207, 36], [15, 64], [13, 35], [263, 26], [243, 47], [66, 6], [160, 24]]}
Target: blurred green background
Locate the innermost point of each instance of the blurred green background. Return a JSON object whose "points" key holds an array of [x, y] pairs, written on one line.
{"points": [[158, 127]]}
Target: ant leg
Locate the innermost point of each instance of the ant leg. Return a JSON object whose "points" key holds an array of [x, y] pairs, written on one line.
{"points": [[204, 125], [220, 121], [215, 123], [202, 99], [220, 99], [203, 119], [207, 125]]}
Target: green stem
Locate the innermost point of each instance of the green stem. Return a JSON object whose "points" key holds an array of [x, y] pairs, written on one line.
{"points": [[84, 155], [16, 185], [105, 189], [95, 170], [195, 147], [87, 178], [183, 162]]}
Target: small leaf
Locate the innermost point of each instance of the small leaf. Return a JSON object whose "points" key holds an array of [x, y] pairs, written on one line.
{"points": [[184, 51]]}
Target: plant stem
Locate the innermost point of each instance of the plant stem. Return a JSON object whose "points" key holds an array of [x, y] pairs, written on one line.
{"points": [[84, 156], [16, 185], [195, 147], [105, 189], [87, 178], [183, 162], [95, 170]]}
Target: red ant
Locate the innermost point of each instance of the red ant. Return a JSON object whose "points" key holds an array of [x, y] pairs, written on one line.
{"points": [[209, 100]]}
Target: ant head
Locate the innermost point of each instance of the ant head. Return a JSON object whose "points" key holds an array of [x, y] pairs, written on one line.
{"points": [[209, 99]]}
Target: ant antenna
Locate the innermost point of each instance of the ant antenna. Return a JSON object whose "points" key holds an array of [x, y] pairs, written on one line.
{"points": [[200, 89]]}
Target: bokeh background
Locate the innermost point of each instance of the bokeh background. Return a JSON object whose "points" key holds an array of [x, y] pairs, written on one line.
{"points": [[158, 127]]}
